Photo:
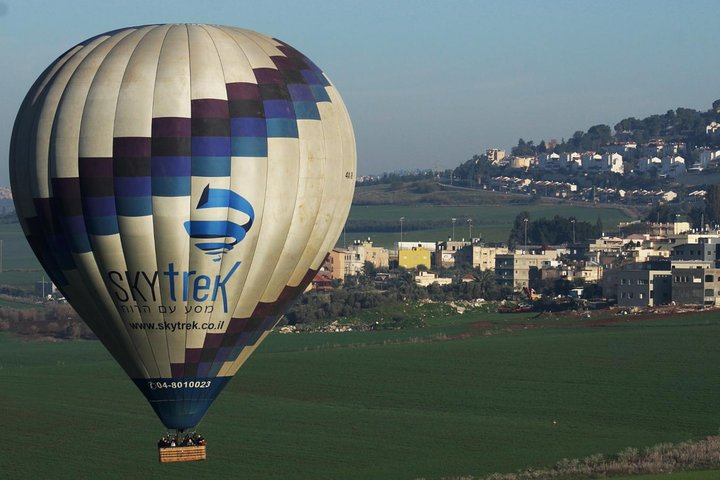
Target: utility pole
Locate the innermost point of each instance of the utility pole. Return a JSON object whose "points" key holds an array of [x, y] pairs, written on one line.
{"points": [[402, 219], [526, 222], [453, 228]]}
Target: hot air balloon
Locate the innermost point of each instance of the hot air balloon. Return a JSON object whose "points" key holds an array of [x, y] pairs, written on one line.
{"points": [[181, 185]]}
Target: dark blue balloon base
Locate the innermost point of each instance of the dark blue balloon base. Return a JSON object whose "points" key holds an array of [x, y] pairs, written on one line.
{"points": [[180, 403]]}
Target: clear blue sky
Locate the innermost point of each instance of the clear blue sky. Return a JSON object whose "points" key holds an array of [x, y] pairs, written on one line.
{"points": [[429, 83]]}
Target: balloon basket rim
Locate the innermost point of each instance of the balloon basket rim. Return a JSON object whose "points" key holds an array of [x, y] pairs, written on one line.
{"points": [[182, 454]]}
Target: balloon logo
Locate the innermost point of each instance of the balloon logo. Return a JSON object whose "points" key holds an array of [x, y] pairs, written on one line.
{"points": [[181, 185], [219, 229]]}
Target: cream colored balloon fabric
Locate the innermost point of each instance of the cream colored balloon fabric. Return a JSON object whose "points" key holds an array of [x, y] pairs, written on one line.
{"points": [[180, 184]]}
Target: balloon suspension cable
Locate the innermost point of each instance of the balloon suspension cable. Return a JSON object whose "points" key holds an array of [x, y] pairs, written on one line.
{"points": [[181, 438]]}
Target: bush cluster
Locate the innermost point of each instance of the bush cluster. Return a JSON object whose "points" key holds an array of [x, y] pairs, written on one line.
{"points": [[661, 458], [56, 320]]}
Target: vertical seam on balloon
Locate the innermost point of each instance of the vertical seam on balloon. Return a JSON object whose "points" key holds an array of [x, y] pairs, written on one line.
{"points": [[267, 284], [278, 314], [282, 248], [147, 338], [314, 228], [149, 29], [152, 196], [141, 368], [261, 216], [83, 273], [241, 52], [323, 196], [344, 117], [227, 209], [94, 307], [189, 240], [321, 203], [330, 242]]}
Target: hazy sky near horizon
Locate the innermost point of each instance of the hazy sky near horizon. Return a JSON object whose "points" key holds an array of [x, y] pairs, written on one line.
{"points": [[428, 83]]}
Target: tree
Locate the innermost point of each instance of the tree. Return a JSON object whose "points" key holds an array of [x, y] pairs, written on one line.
{"points": [[696, 217], [485, 281], [517, 234], [524, 148], [660, 214], [553, 231], [598, 136], [712, 205]]}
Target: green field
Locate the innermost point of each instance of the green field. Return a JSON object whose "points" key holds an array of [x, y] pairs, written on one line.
{"points": [[20, 268], [391, 404], [491, 223]]}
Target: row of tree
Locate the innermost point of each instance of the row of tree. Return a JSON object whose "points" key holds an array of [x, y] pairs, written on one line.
{"points": [[680, 125], [59, 321], [391, 226], [552, 231]]}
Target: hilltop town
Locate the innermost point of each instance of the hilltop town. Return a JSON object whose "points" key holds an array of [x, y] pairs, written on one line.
{"points": [[668, 158], [665, 165]]}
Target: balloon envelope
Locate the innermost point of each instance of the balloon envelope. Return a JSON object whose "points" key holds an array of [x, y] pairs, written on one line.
{"points": [[181, 184]]}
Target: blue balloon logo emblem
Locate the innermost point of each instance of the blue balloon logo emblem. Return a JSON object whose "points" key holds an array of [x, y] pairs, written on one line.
{"points": [[218, 231]]}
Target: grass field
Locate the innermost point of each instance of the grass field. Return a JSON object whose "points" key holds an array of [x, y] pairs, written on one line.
{"points": [[491, 223], [20, 268], [377, 404]]}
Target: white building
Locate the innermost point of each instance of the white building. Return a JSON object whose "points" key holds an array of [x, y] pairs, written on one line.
{"points": [[572, 159], [425, 279], [613, 162], [610, 162], [522, 162], [495, 155]]}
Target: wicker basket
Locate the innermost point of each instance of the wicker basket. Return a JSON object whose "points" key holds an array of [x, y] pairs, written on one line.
{"points": [[182, 454]]}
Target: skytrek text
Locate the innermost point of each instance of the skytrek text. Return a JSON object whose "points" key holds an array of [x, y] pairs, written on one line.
{"points": [[142, 287]]}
